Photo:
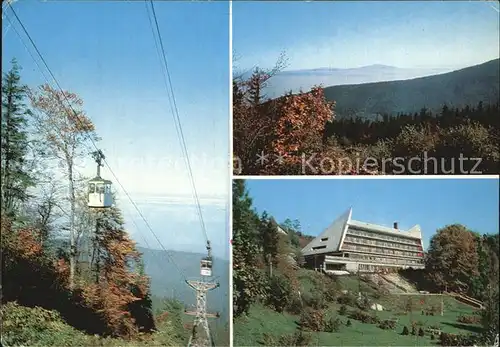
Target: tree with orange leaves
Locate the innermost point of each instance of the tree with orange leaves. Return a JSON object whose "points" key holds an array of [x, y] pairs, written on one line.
{"points": [[286, 127], [118, 290], [63, 126], [252, 114], [300, 125]]}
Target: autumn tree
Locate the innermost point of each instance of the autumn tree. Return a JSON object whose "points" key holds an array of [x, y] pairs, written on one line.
{"points": [[63, 125], [118, 288], [252, 115], [452, 258], [301, 121], [15, 178], [246, 277]]}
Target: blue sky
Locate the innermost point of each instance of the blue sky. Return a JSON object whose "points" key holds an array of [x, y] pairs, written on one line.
{"points": [[105, 52], [431, 203], [343, 34]]}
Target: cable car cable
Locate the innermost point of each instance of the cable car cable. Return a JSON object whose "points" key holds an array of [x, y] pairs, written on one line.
{"points": [[91, 139], [177, 118], [47, 81]]}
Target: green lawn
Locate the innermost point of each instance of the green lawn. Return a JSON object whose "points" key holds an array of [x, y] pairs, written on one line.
{"points": [[249, 330]]}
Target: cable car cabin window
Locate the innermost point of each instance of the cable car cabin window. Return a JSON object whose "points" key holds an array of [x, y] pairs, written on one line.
{"points": [[91, 188], [100, 189], [107, 188]]}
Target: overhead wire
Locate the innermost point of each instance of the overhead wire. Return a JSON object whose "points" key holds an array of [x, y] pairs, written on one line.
{"points": [[11, 24], [175, 114], [88, 136]]}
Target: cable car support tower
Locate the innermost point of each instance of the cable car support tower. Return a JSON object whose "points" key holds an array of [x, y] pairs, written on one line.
{"points": [[200, 335]]}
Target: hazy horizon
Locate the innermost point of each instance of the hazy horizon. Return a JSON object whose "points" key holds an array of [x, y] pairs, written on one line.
{"points": [[407, 34]]}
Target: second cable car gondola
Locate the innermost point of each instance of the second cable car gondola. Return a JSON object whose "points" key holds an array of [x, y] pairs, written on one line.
{"points": [[206, 267], [206, 263]]}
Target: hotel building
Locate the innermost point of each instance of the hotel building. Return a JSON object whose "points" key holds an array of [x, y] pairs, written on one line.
{"points": [[353, 246]]}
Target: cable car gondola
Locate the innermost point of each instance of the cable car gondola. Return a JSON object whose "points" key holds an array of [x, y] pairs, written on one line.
{"points": [[100, 193], [206, 267], [206, 263], [99, 189]]}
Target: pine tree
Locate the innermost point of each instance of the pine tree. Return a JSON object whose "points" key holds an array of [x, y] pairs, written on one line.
{"points": [[142, 310], [270, 238], [15, 179], [246, 280]]}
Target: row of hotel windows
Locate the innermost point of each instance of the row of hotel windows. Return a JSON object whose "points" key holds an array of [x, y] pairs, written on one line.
{"points": [[373, 249], [353, 231], [383, 243], [386, 260]]}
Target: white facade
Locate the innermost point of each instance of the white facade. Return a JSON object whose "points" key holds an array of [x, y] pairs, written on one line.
{"points": [[350, 245]]}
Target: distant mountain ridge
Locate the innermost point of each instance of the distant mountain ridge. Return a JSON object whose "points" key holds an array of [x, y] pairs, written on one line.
{"points": [[297, 80], [458, 88]]}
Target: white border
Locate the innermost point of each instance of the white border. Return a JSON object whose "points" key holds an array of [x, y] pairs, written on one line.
{"points": [[230, 168], [367, 177]]}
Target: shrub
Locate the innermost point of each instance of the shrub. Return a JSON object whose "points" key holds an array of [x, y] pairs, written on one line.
{"points": [[377, 295], [279, 293], [343, 310], [347, 299], [348, 323], [363, 303], [387, 324], [433, 337], [413, 330], [269, 340], [405, 330], [312, 320], [420, 332], [473, 319], [364, 317], [299, 338], [315, 301], [330, 293], [447, 339], [295, 305], [332, 325]]}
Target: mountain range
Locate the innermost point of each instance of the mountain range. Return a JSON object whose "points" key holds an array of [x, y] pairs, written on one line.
{"points": [[468, 86], [302, 80], [378, 89]]}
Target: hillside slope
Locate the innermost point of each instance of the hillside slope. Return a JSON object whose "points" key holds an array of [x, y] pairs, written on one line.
{"points": [[167, 282], [459, 88]]}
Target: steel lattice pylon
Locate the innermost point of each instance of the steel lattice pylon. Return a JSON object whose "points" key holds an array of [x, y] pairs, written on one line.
{"points": [[200, 336]]}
